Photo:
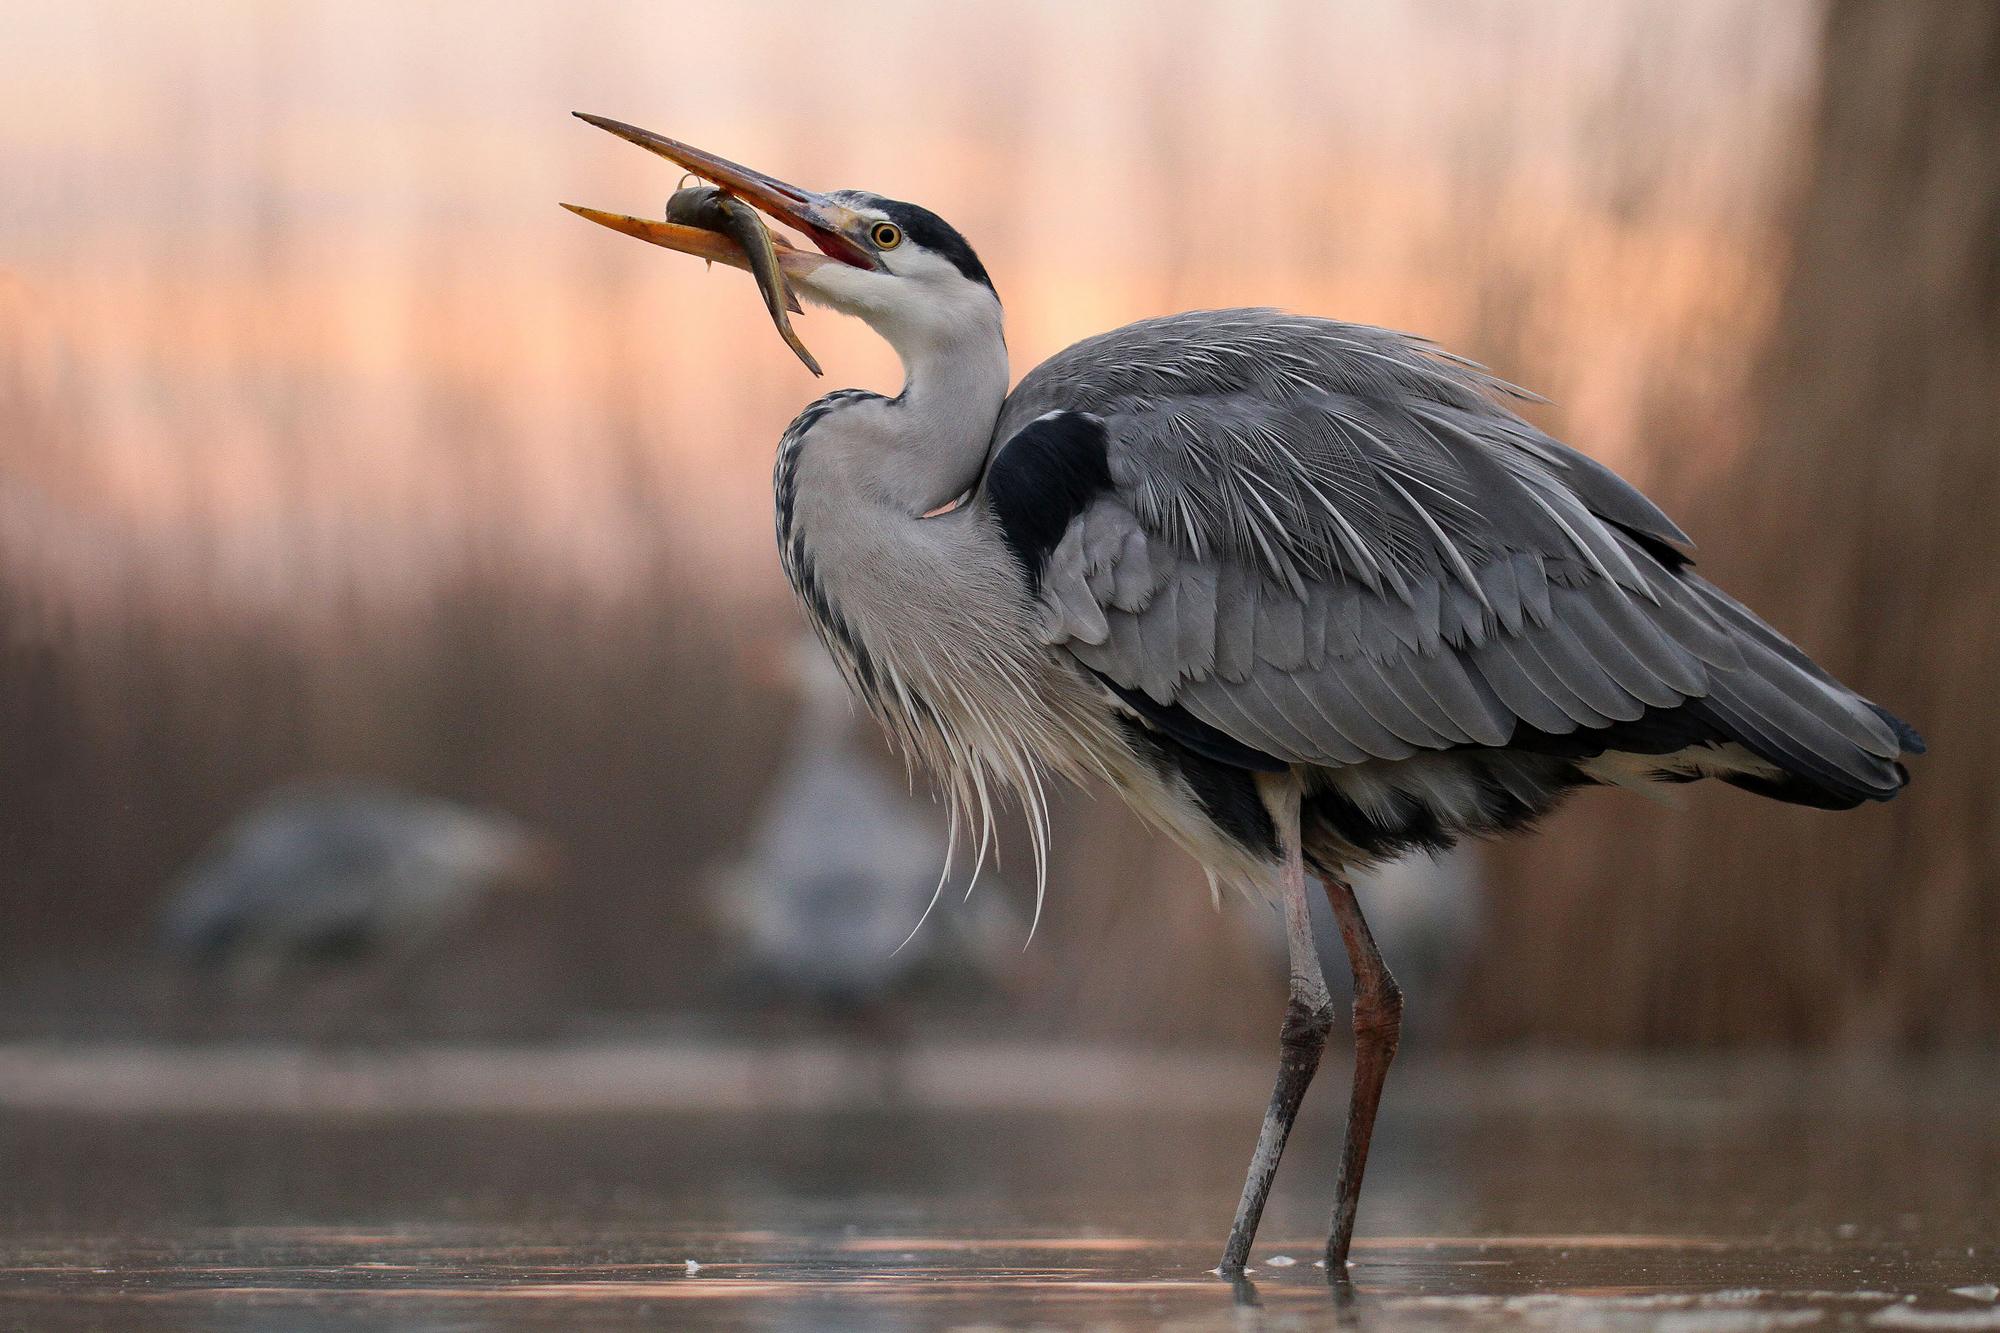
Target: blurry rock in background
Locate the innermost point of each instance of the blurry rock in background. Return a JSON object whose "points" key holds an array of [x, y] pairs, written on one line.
{"points": [[823, 906], [1425, 912], [337, 893]]}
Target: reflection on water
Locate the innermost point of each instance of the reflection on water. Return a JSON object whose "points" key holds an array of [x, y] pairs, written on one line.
{"points": [[1703, 1200], [801, 1282]]}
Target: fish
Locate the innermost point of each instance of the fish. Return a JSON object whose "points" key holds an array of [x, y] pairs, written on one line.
{"points": [[714, 209]]}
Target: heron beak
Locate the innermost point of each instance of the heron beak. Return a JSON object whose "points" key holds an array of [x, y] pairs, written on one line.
{"points": [[825, 223], [702, 243]]}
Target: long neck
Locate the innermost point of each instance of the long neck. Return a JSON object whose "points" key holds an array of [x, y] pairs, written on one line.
{"points": [[941, 425], [927, 618], [857, 476]]}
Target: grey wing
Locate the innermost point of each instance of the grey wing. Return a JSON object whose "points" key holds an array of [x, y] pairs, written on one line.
{"points": [[1331, 545]]}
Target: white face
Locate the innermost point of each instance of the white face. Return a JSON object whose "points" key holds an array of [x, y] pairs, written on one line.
{"points": [[914, 297]]}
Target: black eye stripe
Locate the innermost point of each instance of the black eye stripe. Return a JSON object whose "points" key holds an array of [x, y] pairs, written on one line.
{"points": [[924, 229]]}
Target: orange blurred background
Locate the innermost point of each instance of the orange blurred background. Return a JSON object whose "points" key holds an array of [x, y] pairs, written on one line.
{"points": [[332, 444]]}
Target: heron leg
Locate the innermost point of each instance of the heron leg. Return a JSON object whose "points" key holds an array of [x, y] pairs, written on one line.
{"points": [[1302, 1039], [1378, 1025]]}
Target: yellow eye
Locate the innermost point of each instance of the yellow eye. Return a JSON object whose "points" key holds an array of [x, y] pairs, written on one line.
{"points": [[886, 235]]}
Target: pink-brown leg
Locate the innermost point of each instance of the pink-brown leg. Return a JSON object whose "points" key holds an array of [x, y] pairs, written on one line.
{"points": [[1378, 1025]]}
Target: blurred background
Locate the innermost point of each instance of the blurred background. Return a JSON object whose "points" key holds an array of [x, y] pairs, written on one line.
{"points": [[391, 640]]}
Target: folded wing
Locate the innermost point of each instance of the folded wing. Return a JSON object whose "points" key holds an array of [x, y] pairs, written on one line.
{"points": [[1326, 544]]}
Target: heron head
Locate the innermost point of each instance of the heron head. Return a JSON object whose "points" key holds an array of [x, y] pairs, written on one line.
{"points": [[898, 266]]}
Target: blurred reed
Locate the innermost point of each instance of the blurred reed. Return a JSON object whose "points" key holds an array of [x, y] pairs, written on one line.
{"points": [[332, 445], [1861, 522]]}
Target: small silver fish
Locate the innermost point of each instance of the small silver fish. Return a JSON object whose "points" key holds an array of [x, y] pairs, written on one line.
{"points": [[715, 209]]}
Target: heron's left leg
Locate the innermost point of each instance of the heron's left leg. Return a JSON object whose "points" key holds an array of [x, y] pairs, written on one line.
{"points": [[1378, 1026], [1301, 1042]]}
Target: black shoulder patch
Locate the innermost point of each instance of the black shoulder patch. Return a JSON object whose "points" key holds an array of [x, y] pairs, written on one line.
{"points": [[1042, 478]]}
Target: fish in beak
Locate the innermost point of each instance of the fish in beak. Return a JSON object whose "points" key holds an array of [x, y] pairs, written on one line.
{"points": [[710, 207], [721, 223]]}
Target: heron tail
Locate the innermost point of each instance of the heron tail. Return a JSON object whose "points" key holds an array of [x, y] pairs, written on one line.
{"points": [[1832, 748]]}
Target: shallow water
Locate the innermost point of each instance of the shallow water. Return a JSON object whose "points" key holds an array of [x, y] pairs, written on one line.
{"points": [[1700, 1197]]}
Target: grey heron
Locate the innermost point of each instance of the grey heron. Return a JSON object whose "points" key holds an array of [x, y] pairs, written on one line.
{"points": [[1308, 594], [336, 869], [842, 865]]}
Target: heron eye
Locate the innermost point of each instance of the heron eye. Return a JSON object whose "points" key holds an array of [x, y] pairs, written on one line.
{"points": [[886, 235]]}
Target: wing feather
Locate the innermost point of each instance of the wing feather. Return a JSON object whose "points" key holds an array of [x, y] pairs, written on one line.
{"points": [[1644, 662], [1367, 683], [1557, 671], [1520, 692], [1348, 711], [1427, 718], [1195, 640], [1235, 622], [1333, 544]]}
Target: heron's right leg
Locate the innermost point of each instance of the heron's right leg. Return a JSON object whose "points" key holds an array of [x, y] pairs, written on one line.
{"points": [[1301, 1042]]}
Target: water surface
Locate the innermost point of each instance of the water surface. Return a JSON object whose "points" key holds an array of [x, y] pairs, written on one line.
{"points": [[1532, 1194]]}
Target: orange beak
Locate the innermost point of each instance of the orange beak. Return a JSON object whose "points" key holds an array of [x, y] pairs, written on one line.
{"points": [[824, 222]]}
